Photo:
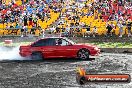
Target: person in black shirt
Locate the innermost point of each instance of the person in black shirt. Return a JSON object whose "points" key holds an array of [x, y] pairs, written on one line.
{"points": [[109, 30], [57, 29], [25, 21], [11, 27], [77, 24], [87, 27], [63, 29]]}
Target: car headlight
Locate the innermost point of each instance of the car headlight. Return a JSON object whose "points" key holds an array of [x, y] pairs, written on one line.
{"points": [[96, 48]]}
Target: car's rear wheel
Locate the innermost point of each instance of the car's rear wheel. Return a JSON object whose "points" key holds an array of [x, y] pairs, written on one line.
{"points": [[36, 56], [83, 54]]}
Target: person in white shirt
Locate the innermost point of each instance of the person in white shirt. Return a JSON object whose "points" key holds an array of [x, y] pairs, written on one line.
{"points": [[43, 33], [94, 32], [52, 29], [120, 28]]}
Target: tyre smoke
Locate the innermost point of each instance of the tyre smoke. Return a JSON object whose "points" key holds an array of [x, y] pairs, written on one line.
{"points": [[8, 53]]}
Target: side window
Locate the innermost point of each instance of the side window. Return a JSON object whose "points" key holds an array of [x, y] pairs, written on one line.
{"points": [[39, 43], [44, 42], [50, 42], [61, 42]]}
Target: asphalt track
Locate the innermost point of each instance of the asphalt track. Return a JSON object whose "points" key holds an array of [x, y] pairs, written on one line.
{"points": [[61, 73]]}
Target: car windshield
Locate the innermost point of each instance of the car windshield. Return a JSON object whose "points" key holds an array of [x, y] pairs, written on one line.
{"points": [[70, 41]]}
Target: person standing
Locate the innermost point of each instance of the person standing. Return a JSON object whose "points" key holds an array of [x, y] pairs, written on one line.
{"points": [[120, 25], [94, 32], [30, 20], [25, 30], [129, 24], [109, 29], [113, 28], [43, 33], [25, 21]]}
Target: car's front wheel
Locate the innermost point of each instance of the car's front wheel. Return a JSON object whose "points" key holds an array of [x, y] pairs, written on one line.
{"points": [[36, 56], [83, 54]]}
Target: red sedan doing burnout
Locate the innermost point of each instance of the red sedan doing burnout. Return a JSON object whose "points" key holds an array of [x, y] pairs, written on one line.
{"points": [[58, 47]]}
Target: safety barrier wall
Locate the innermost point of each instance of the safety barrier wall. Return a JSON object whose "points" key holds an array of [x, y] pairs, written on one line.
{"points": [[19, 39], [75, 31]]}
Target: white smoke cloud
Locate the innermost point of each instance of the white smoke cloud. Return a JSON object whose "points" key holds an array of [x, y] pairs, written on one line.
{"points": [[7, 53]]}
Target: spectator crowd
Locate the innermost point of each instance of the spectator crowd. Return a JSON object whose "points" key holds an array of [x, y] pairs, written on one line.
{"points": [[81, 17], [97, 17]]}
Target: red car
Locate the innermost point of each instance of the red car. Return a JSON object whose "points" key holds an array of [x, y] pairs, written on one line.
{"points": [[58, 47]]}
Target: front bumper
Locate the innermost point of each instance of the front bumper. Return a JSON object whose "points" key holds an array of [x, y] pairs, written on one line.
{"points": [[95, 53]]}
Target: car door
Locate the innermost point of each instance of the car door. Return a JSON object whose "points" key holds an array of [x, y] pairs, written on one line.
{"points": [[65, 49], [46, 46]]}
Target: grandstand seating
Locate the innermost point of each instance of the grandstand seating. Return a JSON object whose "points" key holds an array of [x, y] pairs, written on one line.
{"points": [[44, 24], [99, 23]]}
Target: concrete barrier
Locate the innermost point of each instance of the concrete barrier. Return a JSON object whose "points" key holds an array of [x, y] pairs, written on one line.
{"points": [[76, 39], [116, 50]]}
